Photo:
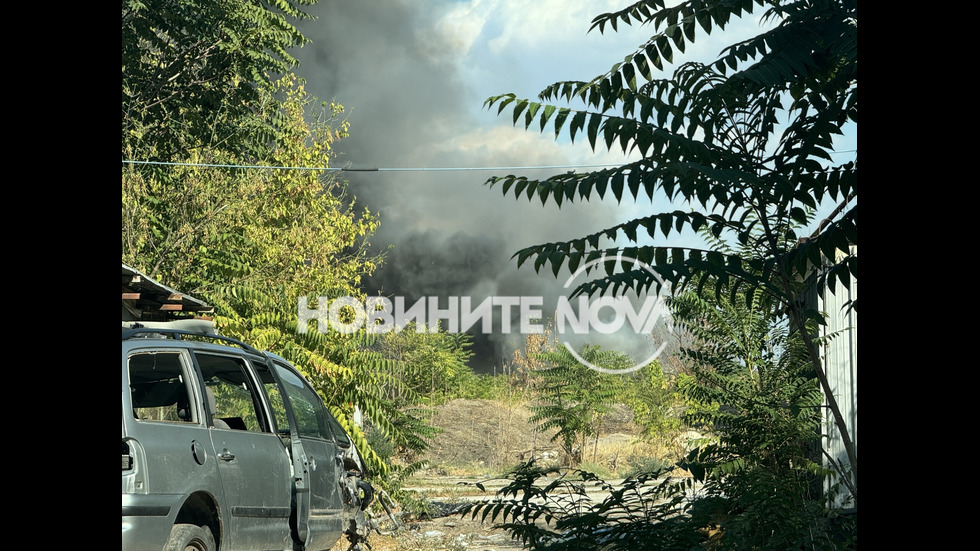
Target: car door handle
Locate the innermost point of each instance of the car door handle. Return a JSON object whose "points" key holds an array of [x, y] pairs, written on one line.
{"points": [[226, 455]]}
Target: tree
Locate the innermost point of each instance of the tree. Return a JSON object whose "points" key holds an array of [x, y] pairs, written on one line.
{"points": [[206, 87], [250, 242], [652, 396], [760, 473], [204, 224], [193, 71], [575, 398], [430, 363], [746, 141]]}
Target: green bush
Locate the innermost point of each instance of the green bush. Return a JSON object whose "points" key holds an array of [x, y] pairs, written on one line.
{"points": [[642, 465]]}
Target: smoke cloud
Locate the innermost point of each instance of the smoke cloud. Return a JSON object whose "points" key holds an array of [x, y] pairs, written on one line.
{"points": [[398, 67]]}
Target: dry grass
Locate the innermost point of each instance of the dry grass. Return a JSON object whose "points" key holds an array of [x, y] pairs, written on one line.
{"points": [[483, 439], [486, 438], [619, 454]]}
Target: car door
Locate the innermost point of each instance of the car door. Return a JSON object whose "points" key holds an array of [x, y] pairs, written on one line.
{"points": [[166, 436], [253, 462], [317, 461]]}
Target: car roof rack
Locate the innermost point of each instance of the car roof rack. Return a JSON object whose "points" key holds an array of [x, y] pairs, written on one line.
{"points": [[178, 329]]}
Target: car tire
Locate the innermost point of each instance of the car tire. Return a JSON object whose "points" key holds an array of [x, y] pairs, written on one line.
{"points": [[190, 537]]}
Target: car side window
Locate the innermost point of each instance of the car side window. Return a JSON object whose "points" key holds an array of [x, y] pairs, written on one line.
{"points": [[311, 416], [275, 400], [231, 395], [158, 387]]}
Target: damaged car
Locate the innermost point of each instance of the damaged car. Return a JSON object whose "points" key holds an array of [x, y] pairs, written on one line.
{"points": [[228, 448]]}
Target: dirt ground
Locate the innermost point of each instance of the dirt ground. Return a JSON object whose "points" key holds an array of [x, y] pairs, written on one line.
{"points": [[451, 533]]}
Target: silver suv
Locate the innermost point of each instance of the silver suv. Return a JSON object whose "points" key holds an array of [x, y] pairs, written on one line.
{"points": [[225, 447]]}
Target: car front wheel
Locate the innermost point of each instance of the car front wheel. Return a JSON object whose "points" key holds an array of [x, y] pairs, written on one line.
{"points": [[190, 537]]}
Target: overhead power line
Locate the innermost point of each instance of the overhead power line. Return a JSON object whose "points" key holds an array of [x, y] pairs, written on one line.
{"points": [[395, 169], [372, 169]]}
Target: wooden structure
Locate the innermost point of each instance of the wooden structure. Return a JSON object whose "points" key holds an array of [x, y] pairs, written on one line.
{"points": [[144, 299]]}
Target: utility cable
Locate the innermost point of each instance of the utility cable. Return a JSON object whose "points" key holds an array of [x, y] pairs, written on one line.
{"points": [[353, 169], [375, 169]]}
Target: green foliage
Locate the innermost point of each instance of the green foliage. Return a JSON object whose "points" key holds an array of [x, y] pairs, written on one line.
{"points": [[193, 72], [647, 465], [399, 472], [762, 475], [575, 397], [415, 505], [731, 337], [203, 227], [484, 387], [433, 364], [711, 139], [756, 484], [252, 242], [652, 397], [746, 141], [550, 509]]}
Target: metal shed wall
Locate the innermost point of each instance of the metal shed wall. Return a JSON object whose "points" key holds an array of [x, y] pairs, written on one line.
{"points": [[840, 361]]}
